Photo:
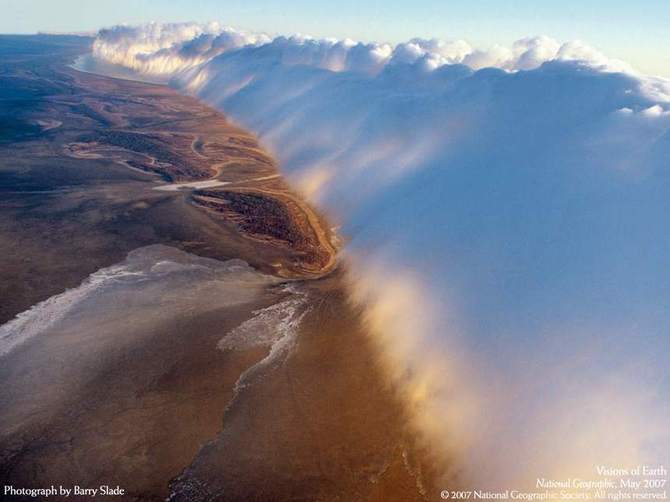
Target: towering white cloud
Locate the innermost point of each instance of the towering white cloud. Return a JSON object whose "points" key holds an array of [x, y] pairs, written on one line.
{"points": [[507, 210], [164, 49], [160, 49]]}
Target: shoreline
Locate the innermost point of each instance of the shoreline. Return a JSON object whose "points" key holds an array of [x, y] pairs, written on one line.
{"points": [[269, 185], [156, 413], [282, 192]]}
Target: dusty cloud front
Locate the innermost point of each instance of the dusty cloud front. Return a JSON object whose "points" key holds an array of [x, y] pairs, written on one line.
{"points": [[167, 48], [507, 212]]}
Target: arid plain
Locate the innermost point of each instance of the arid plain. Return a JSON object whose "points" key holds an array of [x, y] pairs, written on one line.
{"points": [[135, 385]]}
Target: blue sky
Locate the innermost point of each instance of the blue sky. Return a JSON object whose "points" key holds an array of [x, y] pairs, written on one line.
{"points": [[636, 31]]}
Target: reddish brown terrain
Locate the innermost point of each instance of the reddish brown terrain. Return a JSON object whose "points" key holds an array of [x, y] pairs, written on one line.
{"points": [[136, 386], [181, 140]]}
